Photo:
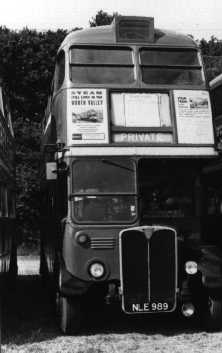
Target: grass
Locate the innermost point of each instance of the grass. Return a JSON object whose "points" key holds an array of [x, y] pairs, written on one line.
{"points": [[29, 326], [124, 343]]}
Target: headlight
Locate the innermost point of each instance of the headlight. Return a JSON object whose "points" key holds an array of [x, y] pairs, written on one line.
{"points": [[96, 270], [191, 267]]}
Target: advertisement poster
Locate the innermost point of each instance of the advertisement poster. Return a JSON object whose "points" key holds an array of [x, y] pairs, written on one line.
{"points": [[194, 117], [87, 116]]}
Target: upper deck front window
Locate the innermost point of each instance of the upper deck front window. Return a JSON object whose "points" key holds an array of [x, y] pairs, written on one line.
{"points": [[169, 66], [105, 65]]}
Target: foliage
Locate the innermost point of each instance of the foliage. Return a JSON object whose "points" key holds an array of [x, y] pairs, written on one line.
{"points": [[212, 55], [27, 61], [102, 18], [212, 47], [213, 65]]}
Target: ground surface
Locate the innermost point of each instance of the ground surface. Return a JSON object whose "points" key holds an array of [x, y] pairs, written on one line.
{"points": [[29, 325]]}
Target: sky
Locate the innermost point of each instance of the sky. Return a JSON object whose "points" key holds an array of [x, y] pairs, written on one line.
{"points": [[201, 18]]}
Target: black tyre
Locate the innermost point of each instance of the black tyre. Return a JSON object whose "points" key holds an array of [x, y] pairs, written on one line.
{"points": [[70, 314], [43, 269], [13, 266], [213, 315]]}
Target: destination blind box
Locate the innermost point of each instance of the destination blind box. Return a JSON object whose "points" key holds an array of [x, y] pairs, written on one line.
{"points": [[134, 29]]}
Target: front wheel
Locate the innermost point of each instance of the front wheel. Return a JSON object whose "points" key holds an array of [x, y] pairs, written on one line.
{"points": [[13, 266], [213, 315], [70, 314]]}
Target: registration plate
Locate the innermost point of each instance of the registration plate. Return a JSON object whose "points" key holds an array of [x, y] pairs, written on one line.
{"points": [[150, 307]]}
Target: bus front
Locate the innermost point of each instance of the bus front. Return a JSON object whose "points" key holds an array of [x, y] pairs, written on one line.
{"points": [[133, 121]]}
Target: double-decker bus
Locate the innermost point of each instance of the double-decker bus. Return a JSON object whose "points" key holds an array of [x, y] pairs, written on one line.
{"points": [[128, 143], [8, 242]]}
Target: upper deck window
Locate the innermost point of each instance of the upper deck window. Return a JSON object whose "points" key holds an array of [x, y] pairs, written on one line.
{"points": [[60, 70], [162, 66], [104, 65]]}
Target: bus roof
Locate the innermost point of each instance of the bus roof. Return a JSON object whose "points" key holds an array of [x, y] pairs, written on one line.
{"points": [[106, 35]]}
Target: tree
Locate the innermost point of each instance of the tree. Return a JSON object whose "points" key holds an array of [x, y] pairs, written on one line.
{"points": [[212, 56], [102, 18], [27, 60], [212, 48]]}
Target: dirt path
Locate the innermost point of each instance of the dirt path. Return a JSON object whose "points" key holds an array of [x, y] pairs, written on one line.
{"points": [[30, 326]]}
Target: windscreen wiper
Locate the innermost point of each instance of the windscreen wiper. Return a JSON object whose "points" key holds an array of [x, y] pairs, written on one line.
{"points": [[117, 165]]}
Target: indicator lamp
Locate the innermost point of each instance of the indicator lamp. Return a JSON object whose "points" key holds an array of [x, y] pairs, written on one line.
{"points": [[82, 238], [188, 309]]}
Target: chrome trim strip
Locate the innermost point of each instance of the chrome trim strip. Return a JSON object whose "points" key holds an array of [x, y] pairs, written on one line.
{"points": [[141, 151]]}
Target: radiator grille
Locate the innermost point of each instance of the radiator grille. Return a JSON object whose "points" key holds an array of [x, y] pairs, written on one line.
{"points": [[162, 265], [107, 242], [148, 260]]}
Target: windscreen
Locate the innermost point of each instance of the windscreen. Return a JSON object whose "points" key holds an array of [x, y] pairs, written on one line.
{"points": [[181, 67], [104, 191], [106, 176], [101, 65]]}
